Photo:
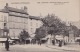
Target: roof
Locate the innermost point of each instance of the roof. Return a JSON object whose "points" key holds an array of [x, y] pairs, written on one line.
{"points": [[4, 10], [8, 9], [17, 10], [34, 17]]}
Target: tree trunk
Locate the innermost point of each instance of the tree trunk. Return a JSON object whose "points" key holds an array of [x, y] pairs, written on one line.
{"points": [[64, 43], [53, 41], [25, 41]]}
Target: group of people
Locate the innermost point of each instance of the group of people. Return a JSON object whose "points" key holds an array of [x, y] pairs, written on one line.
{"points": [[33, 41], [60, 42]]}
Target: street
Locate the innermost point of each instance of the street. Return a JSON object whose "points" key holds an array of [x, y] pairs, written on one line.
{"points": [[31, 48]]}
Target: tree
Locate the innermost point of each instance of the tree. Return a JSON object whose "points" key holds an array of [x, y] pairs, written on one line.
{"points": [[79, 32], [23, 36], [54, 25], [40, 32], [75, 30]]}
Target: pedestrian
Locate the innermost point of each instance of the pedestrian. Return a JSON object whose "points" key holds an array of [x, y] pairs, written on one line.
{"points": [[53, 42], [64, 43], [32, 41], [40, 42], [60, 43], [7, 45], [79, 42]]}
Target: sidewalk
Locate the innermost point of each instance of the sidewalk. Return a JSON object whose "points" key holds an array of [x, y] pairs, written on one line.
{"points": [[65, 48]]}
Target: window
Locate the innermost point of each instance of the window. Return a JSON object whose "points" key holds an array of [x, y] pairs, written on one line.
{"points": [[5, 19], [36, 24], [31, 24], [13, 25], [1, 18], [31, 29], [4, 24]]}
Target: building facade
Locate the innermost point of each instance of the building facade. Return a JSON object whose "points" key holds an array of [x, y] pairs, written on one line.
{"points": [[15, 20]]}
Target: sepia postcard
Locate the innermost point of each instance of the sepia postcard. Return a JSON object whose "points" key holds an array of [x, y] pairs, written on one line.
{"points": [[39, 25]]}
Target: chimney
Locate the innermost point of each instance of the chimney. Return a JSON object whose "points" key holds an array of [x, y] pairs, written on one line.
{"points": [[6, 4], [25, 8], [6, 7]]}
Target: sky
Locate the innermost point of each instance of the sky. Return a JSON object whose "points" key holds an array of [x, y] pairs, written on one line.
{"points": [[66, 10]]}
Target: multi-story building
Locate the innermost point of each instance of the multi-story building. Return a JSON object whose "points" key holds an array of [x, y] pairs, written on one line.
{"points": [[33, 23], [15, 20]]}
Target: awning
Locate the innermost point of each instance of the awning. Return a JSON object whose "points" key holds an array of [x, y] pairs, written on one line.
{"points": [[14, 38], [4, 39], [28, 39], [44, 39], [59, 37], [77, 38]]}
